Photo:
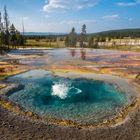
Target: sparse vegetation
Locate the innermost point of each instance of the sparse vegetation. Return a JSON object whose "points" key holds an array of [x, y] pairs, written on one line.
{"points": [[10, 37]]}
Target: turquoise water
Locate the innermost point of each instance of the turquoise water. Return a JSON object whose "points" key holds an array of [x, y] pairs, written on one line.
{"points": [[80, 100]]}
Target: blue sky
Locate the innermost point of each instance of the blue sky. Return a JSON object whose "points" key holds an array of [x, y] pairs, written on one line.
{"points": [[62, 15]]}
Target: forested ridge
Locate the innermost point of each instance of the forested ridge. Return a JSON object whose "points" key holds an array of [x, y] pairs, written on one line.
{"points": [[133, 33]]}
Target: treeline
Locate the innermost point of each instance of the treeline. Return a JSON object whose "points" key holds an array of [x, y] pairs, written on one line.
{"points": [[83, 39], [49, 38], [118, 34], [92, 40], [10, 37]]}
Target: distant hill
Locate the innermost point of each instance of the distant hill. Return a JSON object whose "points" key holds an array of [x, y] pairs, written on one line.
{"points": [[42, 33], [134, 33], [119, 33]]}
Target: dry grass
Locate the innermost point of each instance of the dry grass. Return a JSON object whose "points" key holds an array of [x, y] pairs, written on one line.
{"points": [[122, 48], [44, 43]]}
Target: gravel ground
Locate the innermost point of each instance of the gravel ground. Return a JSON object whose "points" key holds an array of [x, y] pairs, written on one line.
{"points": [[13, 127]]}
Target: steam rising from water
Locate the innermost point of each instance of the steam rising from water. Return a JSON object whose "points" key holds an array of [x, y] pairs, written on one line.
{"points": [[62, 89]]}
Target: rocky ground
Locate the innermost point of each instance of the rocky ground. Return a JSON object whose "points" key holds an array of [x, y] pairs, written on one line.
{"points": [[13, 127]]}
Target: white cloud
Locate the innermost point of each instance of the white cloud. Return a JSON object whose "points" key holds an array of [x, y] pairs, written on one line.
{"points": [[111, 17], [63, 5], [128, 4], [123, 4]]}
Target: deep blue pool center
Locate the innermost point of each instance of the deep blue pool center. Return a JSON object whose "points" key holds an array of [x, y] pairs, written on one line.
{"points": [[80, 100]]}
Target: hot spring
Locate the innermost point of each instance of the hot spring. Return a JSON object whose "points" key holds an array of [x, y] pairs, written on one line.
{"points": [[80, 100]]}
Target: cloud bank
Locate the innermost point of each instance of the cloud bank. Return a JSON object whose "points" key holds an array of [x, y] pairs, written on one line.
{"points": [[128, 4], [63, 5], [111, 17]]}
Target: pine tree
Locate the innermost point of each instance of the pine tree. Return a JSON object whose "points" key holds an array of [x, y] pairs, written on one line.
{"points": [[84, 29], [6, 19], [6, 26], [12, 29], [72, 38], [13, 38], [83, 37], [0, 23]]}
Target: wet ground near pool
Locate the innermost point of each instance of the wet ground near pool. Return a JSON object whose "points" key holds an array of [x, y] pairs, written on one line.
{"points": [[97, 60]]}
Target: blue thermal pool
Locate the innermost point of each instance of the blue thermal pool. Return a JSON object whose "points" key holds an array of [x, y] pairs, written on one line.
{"points": [[80, 100]]}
